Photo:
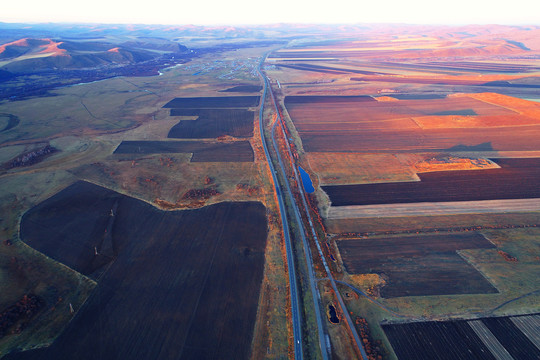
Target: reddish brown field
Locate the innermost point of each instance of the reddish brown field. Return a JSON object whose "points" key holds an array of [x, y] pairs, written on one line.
{"points": [[368, 252], [509, 139], [348, 125]]}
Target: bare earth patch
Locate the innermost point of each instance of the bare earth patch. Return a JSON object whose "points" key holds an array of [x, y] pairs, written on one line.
{"points": [[350, 168]]}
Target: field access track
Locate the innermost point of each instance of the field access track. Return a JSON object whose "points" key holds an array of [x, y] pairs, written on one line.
{"points": [[516, 179], [178, 284]]}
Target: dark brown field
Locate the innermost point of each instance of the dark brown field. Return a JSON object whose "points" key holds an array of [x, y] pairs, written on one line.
{"points": [[213, 123], [238, 151], [458, 339], [418, 265], [370, 251], [511, 337], [516, 179], [213, 102], [243, 88], [180, 285]]}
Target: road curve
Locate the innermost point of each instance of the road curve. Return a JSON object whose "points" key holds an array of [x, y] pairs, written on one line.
{"points": [[295, 307]]}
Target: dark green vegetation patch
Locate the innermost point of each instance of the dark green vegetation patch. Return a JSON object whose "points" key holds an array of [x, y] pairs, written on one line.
{"points": [[213, 123], [171, 284], [418, 265], [238, 151]]}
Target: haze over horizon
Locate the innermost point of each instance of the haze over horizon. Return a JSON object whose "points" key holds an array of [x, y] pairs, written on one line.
{"points": [[244, 12]]}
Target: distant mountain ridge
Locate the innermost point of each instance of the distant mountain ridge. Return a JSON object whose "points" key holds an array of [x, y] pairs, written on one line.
{"points": [[29, 55]]}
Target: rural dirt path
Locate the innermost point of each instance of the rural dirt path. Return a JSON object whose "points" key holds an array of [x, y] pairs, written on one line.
{"points": [[433, 208]]}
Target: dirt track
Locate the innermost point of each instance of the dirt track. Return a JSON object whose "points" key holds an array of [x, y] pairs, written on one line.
{"points": [[439, 208]]}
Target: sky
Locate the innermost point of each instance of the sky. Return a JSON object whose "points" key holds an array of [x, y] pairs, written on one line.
{"points": [[212, 12]]}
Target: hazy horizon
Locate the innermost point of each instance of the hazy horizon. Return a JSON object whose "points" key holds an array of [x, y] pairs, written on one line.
{"points": [[243, 12]]}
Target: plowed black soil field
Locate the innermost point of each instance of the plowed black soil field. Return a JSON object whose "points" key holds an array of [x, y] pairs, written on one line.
{"points": [[180, 285], [516, 179], [239, 151], [513, 340], [418, 265], [243, 88], [449, 340], [458, 340], [365, 251], [433, 274], [212, 123], [213, 102]]}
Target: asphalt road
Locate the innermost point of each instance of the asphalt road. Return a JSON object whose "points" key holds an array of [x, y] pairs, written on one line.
{"points": [[324, 341], [324, 344], [295, 301]]}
